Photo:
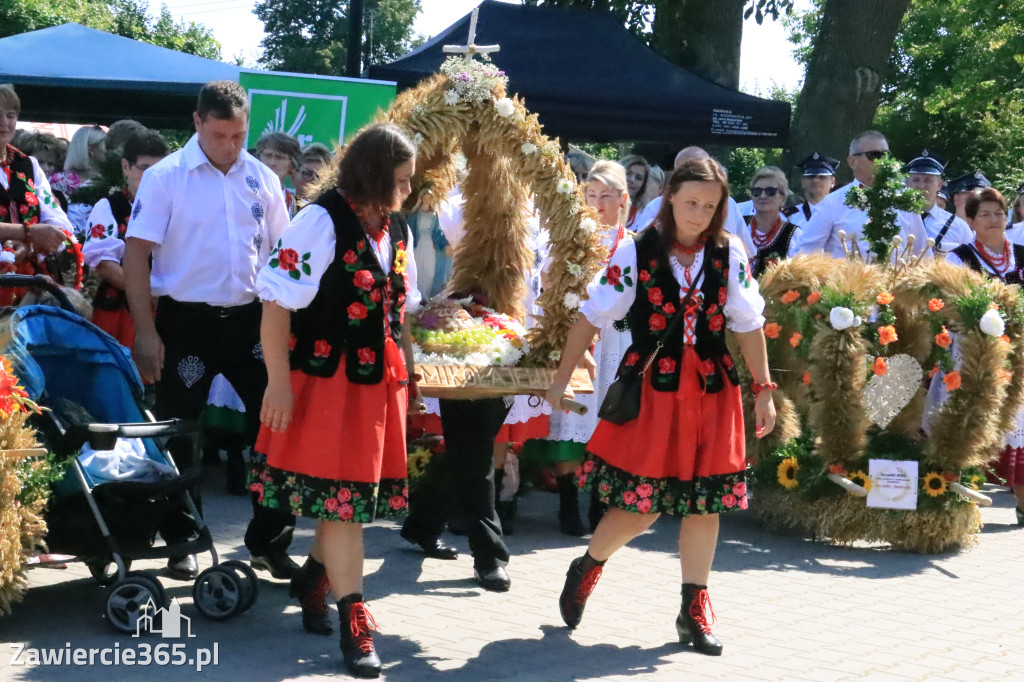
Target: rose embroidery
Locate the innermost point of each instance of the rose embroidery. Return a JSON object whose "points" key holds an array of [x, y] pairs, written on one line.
{"points": [[344, 495], [612, 275], [346, 512], [331, 504], [657, 322], [397, 502], [98, 232], [356, 311], [288, 259], [669, 309], [321, 349], [654, 295], [629, 498], [644, 276], [350, 257], [632, 359], [366, 356], [666, 366], [31, 199], [375, 295], [364, 279], [715, 323], [292, 340]]}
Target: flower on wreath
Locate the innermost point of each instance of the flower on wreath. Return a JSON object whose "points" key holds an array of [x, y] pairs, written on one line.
{"points": [[942, 339], [952, 381], [772, 330], [575, 269], [884, 298], [1005, 339], [934, 484], [935, 305], [813, 297], [807, 378], [505, 106], [795, 339], [555, 355], [588, 225], [528, 148], [417, 139], [786, 473], [837, 469], [564, 186], [879, 367], [860, 478], [975, 480], [451, 97], [991, 323], [790, 296], [841, 318], [887, 335], [571, 300]]}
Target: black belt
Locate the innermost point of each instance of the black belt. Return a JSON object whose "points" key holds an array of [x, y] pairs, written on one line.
{"points": [[212, 310]]}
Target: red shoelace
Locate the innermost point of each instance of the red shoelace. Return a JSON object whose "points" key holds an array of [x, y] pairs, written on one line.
{"points": [[588, 582], [701, 603], [316, 599], [361, 623]]}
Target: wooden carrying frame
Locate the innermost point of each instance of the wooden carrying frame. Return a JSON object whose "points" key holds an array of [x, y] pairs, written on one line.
{"points": [[471, 382]]}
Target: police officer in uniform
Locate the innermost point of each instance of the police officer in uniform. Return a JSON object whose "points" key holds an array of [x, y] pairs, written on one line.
{"points": [[965, 187], [818, 179], [948, 231]]}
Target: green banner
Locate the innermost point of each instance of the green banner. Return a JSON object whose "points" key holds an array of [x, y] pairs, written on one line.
{"points": [[323, 109]]}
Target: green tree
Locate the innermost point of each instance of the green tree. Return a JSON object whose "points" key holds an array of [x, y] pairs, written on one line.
{"points": [[311, 36], [128, 18]]}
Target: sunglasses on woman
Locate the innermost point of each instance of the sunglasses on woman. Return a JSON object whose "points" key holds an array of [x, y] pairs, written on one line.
{"points": [[767, 191]]}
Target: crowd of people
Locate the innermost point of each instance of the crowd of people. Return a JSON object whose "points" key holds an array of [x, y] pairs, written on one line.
{"points": [[297, 299]]}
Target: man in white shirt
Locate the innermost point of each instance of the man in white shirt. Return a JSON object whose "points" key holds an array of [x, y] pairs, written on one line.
{"points": [[208, 215], [817, 180], [948, 230], [821, 233], [734, 222]]}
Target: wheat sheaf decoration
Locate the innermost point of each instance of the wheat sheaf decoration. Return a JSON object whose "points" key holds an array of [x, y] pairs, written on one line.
{"points": [[919, 362]]}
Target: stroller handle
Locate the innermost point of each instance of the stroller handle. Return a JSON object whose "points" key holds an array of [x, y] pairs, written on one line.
{"points": [[37, 282], [104, 436]]}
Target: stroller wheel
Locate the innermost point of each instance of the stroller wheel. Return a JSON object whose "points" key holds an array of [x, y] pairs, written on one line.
{"points": [[248, 583], [105, 572], [132, 598], [217, 593]]}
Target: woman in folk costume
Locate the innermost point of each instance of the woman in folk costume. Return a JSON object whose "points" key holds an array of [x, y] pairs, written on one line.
{"points": [[335, 293], [770, 231], [565, 446], [994, 256], [680, 284], [104, 238]]}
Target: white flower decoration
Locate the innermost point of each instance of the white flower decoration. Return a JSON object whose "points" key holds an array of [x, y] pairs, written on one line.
{"points": [[528, 148], [992, 323], [7, 257], [555, 355], [451, 97], [842, 318], [588, 225], [575, 269], [564, 186], [571, 300], [417, 139], [505, 107]]}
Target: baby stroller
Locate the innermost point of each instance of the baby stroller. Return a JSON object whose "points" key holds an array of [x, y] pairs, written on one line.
{"points": [[93, 395]]}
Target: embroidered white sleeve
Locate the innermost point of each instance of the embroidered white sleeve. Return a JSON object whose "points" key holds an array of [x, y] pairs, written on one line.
{"points": [[744, 305], [50, 211], [413, 297], [610, 299], [101, 241], [298, 260]]}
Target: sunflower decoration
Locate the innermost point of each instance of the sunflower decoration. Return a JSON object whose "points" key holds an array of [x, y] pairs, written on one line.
{"points": [[417, 461], [787, 473], [860, 478], [401, 261], [934, 484], [975, 480]]}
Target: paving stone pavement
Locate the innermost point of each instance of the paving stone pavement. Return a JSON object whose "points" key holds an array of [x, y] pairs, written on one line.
{"points": [[789, 609]]}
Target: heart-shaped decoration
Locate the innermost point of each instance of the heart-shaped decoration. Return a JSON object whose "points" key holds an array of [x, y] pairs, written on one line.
{"points": [[885, 396]]}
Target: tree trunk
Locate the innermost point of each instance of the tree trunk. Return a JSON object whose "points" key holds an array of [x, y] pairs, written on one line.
{"points": [[841, 89], [702, 36]]}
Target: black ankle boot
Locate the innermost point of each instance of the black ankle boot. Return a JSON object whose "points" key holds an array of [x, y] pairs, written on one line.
{"points": [[580, 581], [692, 623], [569, 506], [310, 586], [596, 511], [506, 510], [356, 641]]}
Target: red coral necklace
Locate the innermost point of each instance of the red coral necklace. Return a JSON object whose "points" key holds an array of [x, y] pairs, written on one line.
{"points": [[762, 240], [998, 263]]}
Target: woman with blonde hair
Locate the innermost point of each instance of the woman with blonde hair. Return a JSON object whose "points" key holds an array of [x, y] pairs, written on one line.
{"points": [[566, 443], [638, 173], [81, 166], [770, 231]]}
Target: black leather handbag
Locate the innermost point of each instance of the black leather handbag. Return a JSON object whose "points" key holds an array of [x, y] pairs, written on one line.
{"points": [[622, 402]]}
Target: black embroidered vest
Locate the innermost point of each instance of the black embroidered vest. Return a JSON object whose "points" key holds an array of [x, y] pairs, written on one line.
{"points": [[347, 315], [19, 203], [657, 303], [776, 251], [108, 297], [970, 258]]}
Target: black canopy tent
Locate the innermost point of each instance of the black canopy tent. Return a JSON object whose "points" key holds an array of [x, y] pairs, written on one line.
{"points": [[591, 79], [72, 73]]}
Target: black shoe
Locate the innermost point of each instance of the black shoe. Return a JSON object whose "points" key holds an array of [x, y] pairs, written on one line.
{"points": [[183, 567], [356, 639], [1020, 516], [580, 581], [692, 624], [435, 548], [310, 587], [277, 562], [569, 506], [492, 577]]}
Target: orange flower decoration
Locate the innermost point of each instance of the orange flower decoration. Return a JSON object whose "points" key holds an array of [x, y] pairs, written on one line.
{"points": [[933, 371], [879, 367], [887, 335], [1004, 338], [935, 305], [952, 381], [884, 298], [790, 296], [795, 339], [813, 297], [772, 329], [950, 476], [942, 340], [807, 378], [836, 469]]}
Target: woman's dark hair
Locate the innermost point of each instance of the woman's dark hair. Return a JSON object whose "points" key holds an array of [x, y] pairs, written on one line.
{"points": [[695, 170], [144, 143], [989, 194], [366, 172]]}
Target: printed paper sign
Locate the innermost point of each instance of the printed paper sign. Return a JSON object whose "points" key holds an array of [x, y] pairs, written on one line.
{"points": [[893, 484]]}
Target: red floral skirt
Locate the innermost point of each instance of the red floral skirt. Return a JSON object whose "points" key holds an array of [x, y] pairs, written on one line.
{"points": [[684, 435], [117, 323]]}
